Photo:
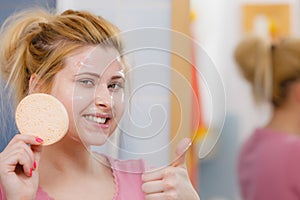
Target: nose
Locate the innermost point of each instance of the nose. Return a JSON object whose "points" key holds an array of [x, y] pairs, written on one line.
{"points": [[103, 97]]}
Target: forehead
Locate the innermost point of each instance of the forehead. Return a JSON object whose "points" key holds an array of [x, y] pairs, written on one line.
{"points": [[95, 59]]}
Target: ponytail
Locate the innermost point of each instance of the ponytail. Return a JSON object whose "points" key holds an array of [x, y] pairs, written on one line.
{"points": [[254, 58], [15, 36]]}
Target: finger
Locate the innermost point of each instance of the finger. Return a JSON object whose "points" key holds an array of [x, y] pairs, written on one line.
{"points": [[19, 161], [35, 145], [181, 151], [19, 150], [28, 139], [27, 164], [37, 149], [32, 158], [19, 147], [155, 196], [153, 187], [152, 176]]}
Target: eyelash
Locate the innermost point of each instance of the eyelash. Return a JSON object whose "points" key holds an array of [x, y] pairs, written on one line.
{"points": [[118, 84], [87, 82], [91, 83]]}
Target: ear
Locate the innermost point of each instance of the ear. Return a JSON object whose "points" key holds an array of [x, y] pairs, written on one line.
{"points": [[34, 85]]}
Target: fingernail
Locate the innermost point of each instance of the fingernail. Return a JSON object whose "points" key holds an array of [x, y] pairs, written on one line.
{"points": [[34, 165], [39, 140], [30, 174]]}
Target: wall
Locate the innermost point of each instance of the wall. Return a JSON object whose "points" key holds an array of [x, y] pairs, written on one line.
{"points": [[218, 31]]}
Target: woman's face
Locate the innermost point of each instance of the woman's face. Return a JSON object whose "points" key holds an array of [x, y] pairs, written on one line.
{"points": [[91, 87]]}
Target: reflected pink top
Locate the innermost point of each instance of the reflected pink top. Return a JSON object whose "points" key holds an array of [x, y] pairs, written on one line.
{"points": [[127, 177], [269, 166]]}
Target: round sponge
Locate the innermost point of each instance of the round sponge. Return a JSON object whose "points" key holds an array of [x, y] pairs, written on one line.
{"points": [[43, 116]]}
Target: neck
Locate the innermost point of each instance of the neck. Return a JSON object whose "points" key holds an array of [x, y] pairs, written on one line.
{"points": [[68, 164], [286, 119], [69, 157]]}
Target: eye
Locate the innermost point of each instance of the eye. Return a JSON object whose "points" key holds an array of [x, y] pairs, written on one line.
{"points": [[115, 86], [87, 82]]}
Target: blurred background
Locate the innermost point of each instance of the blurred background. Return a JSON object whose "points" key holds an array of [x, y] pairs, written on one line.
{"points": [[215, 105]]}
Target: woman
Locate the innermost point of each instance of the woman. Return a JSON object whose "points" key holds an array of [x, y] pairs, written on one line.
{"points": [[77, 58], [269, 160]]}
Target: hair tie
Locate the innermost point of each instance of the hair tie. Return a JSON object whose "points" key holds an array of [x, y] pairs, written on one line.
{"points": [[273, 46]]}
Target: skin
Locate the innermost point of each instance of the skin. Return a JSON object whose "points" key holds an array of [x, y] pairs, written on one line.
{"points": [[20, 182], [90, 87], [286, 118], [172, 182]]}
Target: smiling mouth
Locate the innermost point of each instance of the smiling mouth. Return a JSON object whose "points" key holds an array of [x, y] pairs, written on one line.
{"points": [[98, 120]]}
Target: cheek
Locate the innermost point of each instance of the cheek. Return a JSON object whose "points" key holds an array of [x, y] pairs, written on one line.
{"points": [[82, 98], [64, 93], [119, 109], [122, 107], [67, 102], [119, 103]]}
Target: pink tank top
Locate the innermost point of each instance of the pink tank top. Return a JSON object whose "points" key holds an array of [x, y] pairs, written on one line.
{"points": [[268, 166], [127, 177]]}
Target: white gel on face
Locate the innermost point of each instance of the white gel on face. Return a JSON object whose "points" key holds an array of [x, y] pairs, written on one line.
{"points": [[91, 62], [99, 89], [78, 98]]}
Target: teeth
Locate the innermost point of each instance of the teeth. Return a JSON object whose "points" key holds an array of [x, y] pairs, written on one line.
{"points": [[98, 120]]}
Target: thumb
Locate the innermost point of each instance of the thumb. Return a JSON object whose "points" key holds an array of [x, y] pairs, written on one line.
{"points": [[181, 151]]}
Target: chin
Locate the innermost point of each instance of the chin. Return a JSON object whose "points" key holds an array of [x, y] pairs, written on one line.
{"points": [[94, 141]]}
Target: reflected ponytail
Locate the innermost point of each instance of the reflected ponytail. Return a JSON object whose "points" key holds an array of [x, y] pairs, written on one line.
{"points": [[271, 69], [254, 58]]}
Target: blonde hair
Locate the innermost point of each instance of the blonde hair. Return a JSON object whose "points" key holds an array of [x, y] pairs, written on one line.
{"points": [[270, 68], [38, 42]]}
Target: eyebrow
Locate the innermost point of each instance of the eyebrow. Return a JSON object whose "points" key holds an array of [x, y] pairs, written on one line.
{"points": [[117, 77], [98, 76], [88, 73]]}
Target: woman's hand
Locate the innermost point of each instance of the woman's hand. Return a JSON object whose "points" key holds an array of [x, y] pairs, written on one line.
{"points": [[172, 182], [18, 167]]}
